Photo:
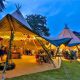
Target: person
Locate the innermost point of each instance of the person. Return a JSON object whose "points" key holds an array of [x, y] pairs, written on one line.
{"points": [[26, 51], [63, 53], [1, 53], [39, 57], [74, 55], [67, 53], [30, 52], [52, 53], [71, 55], [5, 50]]}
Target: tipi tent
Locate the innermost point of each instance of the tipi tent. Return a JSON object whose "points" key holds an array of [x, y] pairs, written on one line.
{"points": [[15, 26], [23, 35], [67, 33]]}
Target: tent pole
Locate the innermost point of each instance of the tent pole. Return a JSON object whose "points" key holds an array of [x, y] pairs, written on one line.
{"points": [[57, 51], [47, 52], [78, 50], [10, 45], [59, 56]]}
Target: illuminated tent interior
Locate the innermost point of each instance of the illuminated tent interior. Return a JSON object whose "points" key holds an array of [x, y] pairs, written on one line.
{"points": [[24, 37]]}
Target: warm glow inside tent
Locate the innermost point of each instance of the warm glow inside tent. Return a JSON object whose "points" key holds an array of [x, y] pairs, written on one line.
{"points": [[75, 41], [24, 37]]}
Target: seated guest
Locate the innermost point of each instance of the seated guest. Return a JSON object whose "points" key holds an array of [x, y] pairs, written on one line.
{"points": [[51, 53], [30, 52], [5, 50], [67, 54], [26, 51]]}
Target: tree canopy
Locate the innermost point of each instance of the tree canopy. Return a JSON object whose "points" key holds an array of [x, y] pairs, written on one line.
{"points": [[2, 6], [38, 24]]}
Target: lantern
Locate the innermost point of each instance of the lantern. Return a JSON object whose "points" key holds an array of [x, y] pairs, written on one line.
{"points": [[28, 36]]}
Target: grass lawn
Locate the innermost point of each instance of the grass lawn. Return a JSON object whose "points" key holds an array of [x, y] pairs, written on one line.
{"points": [[68, 71]]}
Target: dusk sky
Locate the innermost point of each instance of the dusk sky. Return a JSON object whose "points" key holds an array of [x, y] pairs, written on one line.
{"points": [[58, 12]]}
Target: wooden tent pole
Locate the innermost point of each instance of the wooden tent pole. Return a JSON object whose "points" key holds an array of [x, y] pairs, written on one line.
{"points": [[45, 49], [59, 56], [57, 51], [10, 45]]}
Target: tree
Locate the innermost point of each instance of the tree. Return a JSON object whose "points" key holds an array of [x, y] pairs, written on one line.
{"points": [[2, 6], [38, 24]]}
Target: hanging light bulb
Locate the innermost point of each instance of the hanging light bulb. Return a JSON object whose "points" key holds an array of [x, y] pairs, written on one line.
{"points": [[28, 36]]}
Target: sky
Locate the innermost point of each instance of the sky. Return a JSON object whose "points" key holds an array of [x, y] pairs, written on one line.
{"points": [[57, 12]]}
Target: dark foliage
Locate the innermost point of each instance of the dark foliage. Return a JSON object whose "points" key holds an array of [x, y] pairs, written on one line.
{"points": [[38, 24], [2, 6]]}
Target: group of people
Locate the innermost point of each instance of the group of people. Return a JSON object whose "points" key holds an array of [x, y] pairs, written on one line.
{"points": [[3, 51], [70, 54], [28, 52]]}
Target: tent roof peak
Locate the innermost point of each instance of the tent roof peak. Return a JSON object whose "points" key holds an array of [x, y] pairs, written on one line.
{"points": [[66, 26]]}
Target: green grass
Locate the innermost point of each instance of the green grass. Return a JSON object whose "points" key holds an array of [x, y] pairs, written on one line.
{"points": [[68, 71]]}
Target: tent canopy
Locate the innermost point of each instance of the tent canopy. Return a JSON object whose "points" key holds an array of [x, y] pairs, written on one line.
{"points": [[58, 42], [77, 34], [22, 29], [19, 28], [23, 34], [67, 33]]}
